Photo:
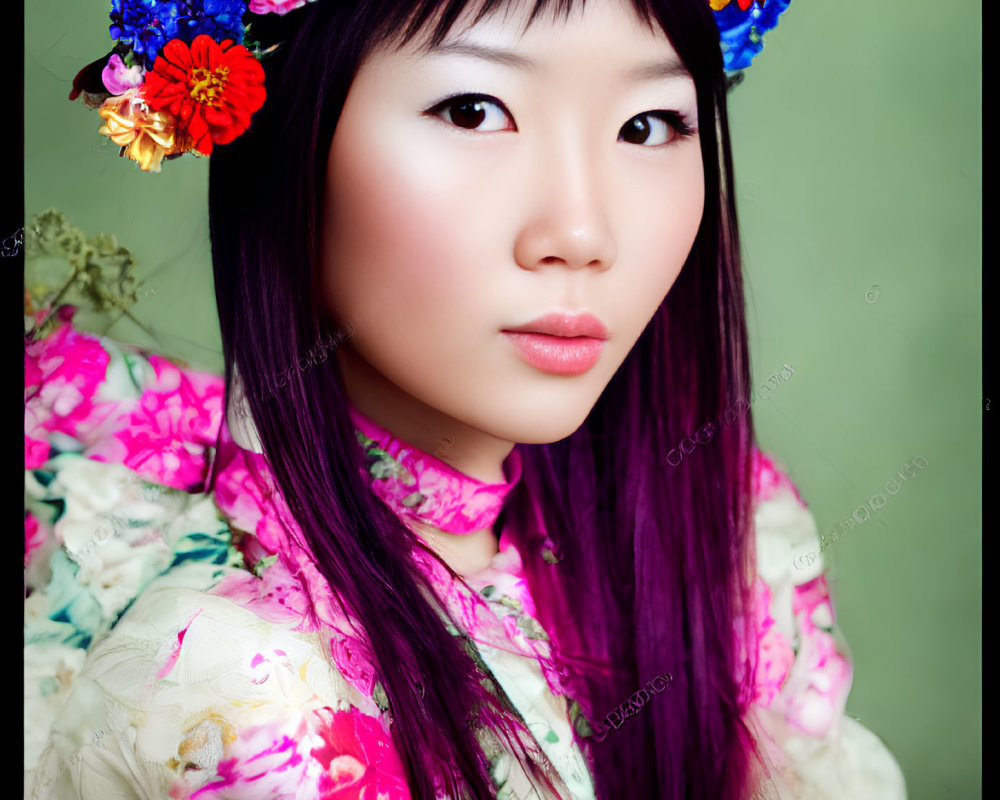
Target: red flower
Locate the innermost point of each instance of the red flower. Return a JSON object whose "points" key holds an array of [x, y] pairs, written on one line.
{"points": [[212, 89], [358, 757]]}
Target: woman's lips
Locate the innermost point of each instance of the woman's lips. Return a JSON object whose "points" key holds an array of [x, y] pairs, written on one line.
{"points": [[560, 343], [559, 355]]}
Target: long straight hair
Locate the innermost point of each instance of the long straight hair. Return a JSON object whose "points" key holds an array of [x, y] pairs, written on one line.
{"points": [[637, 567]]}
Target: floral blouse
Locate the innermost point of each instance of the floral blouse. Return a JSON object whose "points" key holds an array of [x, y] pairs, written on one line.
{"points": [[159, 665]]}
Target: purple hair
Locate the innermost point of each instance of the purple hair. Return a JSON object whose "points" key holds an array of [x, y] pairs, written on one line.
{"points": [[637, 568]]}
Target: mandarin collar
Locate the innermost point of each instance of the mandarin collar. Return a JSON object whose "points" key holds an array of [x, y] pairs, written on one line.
{"points": [[423, 488]]}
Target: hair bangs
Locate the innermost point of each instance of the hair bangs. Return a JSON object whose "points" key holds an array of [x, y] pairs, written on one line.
{"points": [[435, 19]]}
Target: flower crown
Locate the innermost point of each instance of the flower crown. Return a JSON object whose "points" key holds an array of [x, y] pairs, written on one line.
{"points": [[185, 75]]}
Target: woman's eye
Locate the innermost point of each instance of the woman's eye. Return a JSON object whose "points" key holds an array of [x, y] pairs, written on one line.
{"points": [[653, 128], [475, 112]]}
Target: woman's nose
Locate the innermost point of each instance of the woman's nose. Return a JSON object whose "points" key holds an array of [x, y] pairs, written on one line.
{"points": [[567, 220]]}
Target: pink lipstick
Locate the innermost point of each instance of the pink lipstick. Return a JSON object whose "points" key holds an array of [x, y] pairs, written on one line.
{"points": [[560, 343]]}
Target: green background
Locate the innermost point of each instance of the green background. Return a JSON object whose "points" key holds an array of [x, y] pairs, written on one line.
{"points": [[858, 157]]}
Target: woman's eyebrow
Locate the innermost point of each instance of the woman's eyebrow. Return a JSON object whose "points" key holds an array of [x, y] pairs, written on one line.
{"points": [[497, 55], [669, 68]]}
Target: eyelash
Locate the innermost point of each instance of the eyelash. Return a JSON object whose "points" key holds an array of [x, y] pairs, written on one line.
{"points": [[674, 119], [464, 99]]}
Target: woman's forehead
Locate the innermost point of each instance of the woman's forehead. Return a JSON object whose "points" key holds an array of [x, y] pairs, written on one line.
{"points": [[434, 22]]}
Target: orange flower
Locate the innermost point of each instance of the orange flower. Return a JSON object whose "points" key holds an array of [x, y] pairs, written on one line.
{"points": [[718, 5], [145, 136], [212, 89]]}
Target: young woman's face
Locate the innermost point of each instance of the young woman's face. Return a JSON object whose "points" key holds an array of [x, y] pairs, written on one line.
{"points": [[495, 180]]}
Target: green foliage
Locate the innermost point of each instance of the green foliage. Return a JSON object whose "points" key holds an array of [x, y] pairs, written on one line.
{"points": [[100, 275]]}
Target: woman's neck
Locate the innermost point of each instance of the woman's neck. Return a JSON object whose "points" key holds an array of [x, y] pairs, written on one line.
{"points": [[465, 553], [460, 470]]}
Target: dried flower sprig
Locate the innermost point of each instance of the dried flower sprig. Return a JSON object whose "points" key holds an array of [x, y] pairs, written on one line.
{"points": [[101, 271]]}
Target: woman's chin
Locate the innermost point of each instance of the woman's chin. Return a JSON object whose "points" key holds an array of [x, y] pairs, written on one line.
{"points": [[542, 426]]}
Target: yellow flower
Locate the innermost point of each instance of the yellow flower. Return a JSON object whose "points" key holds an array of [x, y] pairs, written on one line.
{"points": [[145, 136]]}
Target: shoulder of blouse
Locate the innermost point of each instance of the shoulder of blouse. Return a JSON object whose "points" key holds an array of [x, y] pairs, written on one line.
{"points": [[803, 666], [88, 395], [215, 679], [193, 694]]}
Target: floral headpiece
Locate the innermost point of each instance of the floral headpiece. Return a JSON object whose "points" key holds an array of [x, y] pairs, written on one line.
{"points": [[185, 75], [742, 25]]}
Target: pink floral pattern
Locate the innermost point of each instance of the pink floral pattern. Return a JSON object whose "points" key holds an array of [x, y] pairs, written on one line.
{"points": [[34, 537], [62, 374], [171, 432], [321, 753], [164, 435], [807, 676], [418, 486], [36, 452], [768, 479], [167, 435], [277, 596], [246, 493], [826, 672], [775, 655]]}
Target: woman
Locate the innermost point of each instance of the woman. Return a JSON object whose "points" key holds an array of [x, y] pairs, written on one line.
{"points": [[513, 230]]}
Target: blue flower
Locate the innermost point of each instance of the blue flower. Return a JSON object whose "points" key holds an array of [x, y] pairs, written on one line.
{"points": [[742, 32], [147, 25]]}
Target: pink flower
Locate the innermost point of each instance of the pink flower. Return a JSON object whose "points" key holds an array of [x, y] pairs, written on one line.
{"points": [[273, 534], [153, 449], [62, 374], [321, 753], [468, 609], [810, 597], [118, 78], [354, 661], [36, 452], [32, 373], [194, 399], [769, 479], [275, 596], [358, 758], [238, 493], [247, 493], [167, 438], [34, 536], [324, 605], [816, 708], [279, 7], [469, 506], [775, 656]]}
